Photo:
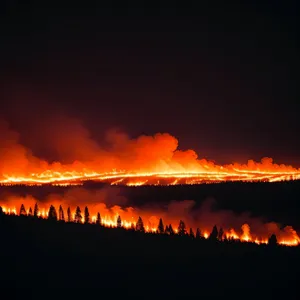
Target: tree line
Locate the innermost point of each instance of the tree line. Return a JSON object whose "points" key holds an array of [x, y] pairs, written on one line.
{"points": [[215, 235]]}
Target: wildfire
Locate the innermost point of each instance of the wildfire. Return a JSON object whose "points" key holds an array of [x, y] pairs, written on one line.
{"points": [[129, 220], [146, 160], [162, 178]]}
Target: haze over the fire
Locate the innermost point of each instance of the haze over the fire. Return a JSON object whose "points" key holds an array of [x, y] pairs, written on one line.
{"points": [[67, 140], [74, 152]]}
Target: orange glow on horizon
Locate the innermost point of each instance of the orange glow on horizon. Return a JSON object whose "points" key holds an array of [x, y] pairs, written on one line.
{"points": [[146, 160], [77, 178]]}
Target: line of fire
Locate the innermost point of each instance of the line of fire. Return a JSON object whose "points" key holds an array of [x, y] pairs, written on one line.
{"points": [[288, 237], [138, 179]]}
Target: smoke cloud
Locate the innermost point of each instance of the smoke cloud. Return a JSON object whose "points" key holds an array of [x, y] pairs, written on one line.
{"points": [[63, 144]]}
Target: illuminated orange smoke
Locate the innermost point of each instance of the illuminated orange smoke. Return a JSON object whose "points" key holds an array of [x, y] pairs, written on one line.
{"points": [[146, 160], [288, 236]]}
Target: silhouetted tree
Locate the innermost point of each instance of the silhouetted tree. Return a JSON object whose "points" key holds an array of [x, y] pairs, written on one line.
{"points": [[220, 234], [214, 234], [78, 216], [171, 230], [181, 228], [1, 211], [272, 240], [36, 210], [140, 225], [52, 215], [30, 212], [61, 215], [132, 227], [160, 228], [119, 222], [192, 233], [167, 229], [69, 214], [198, 234], [22, 210], [86, 215], [98, 220]]}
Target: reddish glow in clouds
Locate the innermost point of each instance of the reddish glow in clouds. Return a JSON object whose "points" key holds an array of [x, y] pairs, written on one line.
{"points": [[153, 160]]}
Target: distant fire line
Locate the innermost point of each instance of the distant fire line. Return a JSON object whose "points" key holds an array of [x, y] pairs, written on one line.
{"points": [[148, 178], [145, 160]]}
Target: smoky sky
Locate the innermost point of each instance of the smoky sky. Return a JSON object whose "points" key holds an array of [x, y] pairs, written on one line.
{"points": [[222, 79]]}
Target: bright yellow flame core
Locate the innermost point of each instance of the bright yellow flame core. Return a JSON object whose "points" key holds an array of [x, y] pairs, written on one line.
{"points": [[210, 174], [291, 238]]}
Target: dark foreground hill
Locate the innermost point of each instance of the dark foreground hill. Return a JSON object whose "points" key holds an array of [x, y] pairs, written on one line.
{"points": [[39, 256]]}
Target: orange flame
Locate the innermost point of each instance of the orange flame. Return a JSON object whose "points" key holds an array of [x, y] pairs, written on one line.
{"points": [[288, 237], [148, 178], [147, 160]]}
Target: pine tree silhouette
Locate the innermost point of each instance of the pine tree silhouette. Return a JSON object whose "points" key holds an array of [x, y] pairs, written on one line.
{"points": [[22, 210], [160, 228], [171, 230], [181, 228], [52, 215], [30, 212], [220, 234], [140, 225], [214, 234], [1, 211], [78, 216], [192, 233], [272, 240], [98, 220], [86, 215], [167, 231], [36, 210], [61, 215], [119, 222], [198, 234], [69, 214]]}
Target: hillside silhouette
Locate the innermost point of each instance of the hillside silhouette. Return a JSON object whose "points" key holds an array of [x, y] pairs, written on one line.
{"points": [[45, 254]]}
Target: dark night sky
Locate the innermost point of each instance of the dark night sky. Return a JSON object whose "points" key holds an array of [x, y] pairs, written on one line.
{"points": [[222, 79]]}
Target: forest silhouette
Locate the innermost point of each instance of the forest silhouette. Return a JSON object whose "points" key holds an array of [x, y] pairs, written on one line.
{"points": [[57, 253], [84, 218]]}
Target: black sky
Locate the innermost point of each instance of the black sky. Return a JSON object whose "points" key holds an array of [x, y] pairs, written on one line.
{"points": [[223, 79]]}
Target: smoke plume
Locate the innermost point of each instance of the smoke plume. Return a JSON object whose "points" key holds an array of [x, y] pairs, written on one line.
{"points": [[62, 148]]}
